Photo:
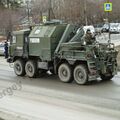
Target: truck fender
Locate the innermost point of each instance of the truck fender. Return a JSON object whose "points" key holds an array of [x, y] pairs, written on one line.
{"points": [[71, 62]]}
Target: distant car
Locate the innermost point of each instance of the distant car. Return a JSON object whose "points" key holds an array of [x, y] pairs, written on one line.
{"points": [[98, 28], [105, 28], [118, 28], [114, 27], [1, 48]]}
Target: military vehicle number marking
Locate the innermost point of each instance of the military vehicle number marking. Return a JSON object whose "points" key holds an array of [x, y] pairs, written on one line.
{"points": [[14, 39], [19, 48], [34, 40]]}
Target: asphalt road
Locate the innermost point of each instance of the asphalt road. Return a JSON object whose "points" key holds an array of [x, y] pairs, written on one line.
{"points": [[46, 98]]}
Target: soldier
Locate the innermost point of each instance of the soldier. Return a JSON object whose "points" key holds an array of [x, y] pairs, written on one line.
{"points": [[6, 49], [89, 38]]}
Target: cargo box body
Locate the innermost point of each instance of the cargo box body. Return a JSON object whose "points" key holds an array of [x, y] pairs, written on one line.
{"points": [[43, 41]]}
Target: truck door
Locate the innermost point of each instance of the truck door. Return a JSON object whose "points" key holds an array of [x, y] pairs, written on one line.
{"points": [[26, 45]]}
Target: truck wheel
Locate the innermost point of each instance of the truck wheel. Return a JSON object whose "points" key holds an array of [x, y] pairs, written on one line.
{"points": [[81, 74], [106, 77], [19, 67], [31, 69], [65, 73]]}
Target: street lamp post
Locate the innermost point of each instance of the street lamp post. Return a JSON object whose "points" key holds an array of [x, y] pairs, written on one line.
{"points": [[8, 5], [108, 15]]}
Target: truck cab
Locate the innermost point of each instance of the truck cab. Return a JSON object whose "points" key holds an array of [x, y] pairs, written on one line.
{"points": [[19, 45]]}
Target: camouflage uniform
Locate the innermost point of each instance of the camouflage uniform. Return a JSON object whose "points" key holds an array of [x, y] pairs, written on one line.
{"points": [[89, 39]]}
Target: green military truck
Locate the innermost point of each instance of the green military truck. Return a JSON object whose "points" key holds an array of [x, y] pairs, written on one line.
{"points": [[60, 48]]}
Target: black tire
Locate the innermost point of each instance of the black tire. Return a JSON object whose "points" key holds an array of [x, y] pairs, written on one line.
{"points": [[31, 69], [65, 73], [19, 67], [106, 77], [81, 74]]}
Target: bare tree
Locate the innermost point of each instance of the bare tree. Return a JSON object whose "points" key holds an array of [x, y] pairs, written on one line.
{"points": [[70, 11]]}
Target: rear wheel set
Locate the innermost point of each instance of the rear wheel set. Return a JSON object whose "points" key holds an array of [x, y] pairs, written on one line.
{"points": [[67, 74], [81, 74]]}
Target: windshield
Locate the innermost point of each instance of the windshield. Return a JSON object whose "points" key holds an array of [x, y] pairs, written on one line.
{"points": [[78, 36], [114, 25]]}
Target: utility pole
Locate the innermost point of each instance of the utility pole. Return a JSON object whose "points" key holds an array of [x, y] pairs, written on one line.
{"points": [[9, 29], [28, 11], [85, 12], [108, 16], [49, 10]]}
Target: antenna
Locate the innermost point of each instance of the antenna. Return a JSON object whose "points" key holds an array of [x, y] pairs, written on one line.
{"points": [[50, 11]]}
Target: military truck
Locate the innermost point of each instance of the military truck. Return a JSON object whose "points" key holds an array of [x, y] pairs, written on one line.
{"points": [[60, 49]]}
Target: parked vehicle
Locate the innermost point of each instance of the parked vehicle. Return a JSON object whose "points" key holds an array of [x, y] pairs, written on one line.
{"points": [[98, 28], [1, 48], [118, 28], [59, 48], [105, 28], [114, 27]]}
